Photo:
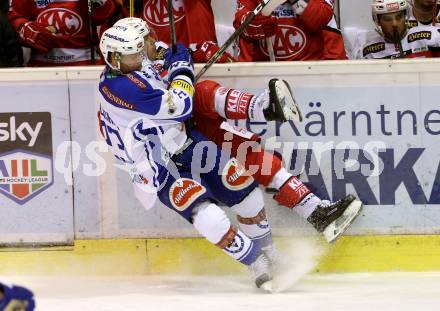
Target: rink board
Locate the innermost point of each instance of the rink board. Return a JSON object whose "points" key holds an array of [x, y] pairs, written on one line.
{"points": [[197, 256], [397, 101]]}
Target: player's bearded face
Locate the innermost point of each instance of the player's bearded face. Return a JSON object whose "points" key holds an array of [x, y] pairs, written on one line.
{"points": [[132, 62], [150, 45], [425, 4], [393, 26]]}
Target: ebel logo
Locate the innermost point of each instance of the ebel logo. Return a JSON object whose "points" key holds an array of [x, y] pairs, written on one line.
{"points": [[66, 21], [156, 13], [26, 158], [23, 175]]}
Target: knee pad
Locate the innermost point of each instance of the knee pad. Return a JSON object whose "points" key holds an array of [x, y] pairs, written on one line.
{"points": [[251, 206], [211, 222], [252, 219]]}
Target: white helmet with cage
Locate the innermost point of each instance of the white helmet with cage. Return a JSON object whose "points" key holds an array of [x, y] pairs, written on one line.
{"points": [[120, 40], [380, 7], [135, 22]]}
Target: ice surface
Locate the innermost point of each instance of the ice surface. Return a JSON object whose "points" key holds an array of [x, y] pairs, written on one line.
{"points": [[375, 291]]}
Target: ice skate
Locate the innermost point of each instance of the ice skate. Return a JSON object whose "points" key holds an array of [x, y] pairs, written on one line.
{"points": [[262, 270], [282, 104], [333, 219], [277, 260]]}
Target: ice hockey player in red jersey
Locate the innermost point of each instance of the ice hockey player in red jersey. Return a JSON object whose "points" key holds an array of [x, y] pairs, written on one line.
{"points": [[393, 39], [334, 48], [194, 22], [58, 32], [423, 12], [296, 28]]}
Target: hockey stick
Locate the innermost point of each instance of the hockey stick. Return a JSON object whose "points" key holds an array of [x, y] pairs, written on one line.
{"points": [[398, 41], [91, 32], [231, 39], [267, 11], [434, 13], [269, 44], [131, 8], [172, 26]]}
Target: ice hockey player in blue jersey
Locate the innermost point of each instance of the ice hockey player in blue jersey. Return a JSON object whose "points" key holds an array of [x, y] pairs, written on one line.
{"points": [[16, 298], [213, 104], [143, 121], [144, 124]]}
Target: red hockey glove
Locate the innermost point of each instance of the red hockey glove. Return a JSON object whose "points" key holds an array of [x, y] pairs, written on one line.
{"points": [[205, 50], [261, 27], [37, 36]]}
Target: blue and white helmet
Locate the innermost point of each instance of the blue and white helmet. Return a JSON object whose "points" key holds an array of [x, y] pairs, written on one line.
{"points": [[121, 40]]}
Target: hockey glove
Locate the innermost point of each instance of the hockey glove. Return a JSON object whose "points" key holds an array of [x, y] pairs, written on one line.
{"points": [[261, 27], [179, 62], [205, 50], [16, 298], [299, 6], [37, 37]]}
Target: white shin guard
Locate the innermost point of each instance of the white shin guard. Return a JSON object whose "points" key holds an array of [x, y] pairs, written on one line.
{"points": [[212, 223], [252, 218]]}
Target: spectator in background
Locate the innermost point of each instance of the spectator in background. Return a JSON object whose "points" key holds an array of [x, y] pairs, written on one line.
{"points": [[193, 19], [392, 39], [423, 12], [58, 32], [297, 27], [11, 53]]}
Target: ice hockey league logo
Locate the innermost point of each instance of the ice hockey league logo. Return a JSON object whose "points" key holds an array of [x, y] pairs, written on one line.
{"points": [[66, 21], [24, 175], [156, 13], [26, 161], [184, 192]]}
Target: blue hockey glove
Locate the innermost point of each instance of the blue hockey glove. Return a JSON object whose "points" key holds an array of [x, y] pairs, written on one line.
{"points": [[16, 298], [179, 62]]}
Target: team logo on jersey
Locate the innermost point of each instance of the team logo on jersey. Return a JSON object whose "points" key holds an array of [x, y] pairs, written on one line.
{"points": [[421, 35], [373, 48], [235, 176], [66, 21], [26, 158], [289, 41], [236, 246], [156, 13], [184, 192]]}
